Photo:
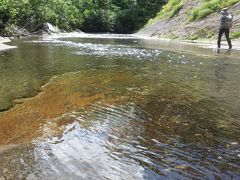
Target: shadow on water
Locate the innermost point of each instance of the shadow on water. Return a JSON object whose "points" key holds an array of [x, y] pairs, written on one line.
{"points": [[139, 114]]}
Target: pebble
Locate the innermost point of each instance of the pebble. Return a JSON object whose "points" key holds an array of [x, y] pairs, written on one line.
{"points": [[219, 157], [154, 140], [182, 166]]}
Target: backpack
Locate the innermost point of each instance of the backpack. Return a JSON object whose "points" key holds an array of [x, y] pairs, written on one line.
{"points": [[226, 22]]}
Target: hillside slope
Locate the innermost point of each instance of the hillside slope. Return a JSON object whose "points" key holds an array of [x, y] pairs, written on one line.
{"points": [[181, 27]]}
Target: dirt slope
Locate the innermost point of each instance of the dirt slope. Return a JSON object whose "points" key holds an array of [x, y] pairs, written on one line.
{"points": [[180, 27]]}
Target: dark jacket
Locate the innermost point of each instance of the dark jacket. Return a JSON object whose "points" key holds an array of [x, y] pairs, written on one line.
{"points": [[225, 20]]}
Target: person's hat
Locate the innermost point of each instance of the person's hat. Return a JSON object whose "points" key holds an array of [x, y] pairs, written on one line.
{"points": [[224, 12]]}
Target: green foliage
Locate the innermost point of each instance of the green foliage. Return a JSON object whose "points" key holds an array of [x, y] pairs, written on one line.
{"points": [[202, 33], [168, 11], [193, 37], [235, 35], [61, 13], [208, 7], [210, 34], [89, 15], [99, 16], [134, 14]]}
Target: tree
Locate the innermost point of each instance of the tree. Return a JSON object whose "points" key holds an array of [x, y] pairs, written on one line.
{"points": [[89, 15]]}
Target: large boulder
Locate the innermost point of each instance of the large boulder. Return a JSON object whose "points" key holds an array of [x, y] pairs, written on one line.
{"points": [[79, 31], [45, 28], [49, 28]]}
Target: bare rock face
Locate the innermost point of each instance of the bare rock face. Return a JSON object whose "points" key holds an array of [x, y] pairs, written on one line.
{"points": [[180, 27]]}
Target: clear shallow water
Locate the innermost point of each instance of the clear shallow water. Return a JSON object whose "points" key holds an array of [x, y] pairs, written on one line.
{"points": [[118, 107]]}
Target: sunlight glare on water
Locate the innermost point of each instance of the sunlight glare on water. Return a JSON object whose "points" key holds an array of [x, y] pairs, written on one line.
{"points": [[106, 106]]}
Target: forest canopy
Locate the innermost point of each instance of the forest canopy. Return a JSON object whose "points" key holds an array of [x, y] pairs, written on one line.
{"points": [[120, 16]]}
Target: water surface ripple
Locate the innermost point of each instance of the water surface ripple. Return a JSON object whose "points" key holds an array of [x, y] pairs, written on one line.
{"points": [[118, 107]]}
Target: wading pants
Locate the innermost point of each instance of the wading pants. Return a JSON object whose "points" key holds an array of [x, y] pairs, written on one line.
{"points": [[226, 31]]}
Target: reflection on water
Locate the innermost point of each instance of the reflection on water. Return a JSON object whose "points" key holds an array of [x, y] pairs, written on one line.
{"points": [[115, 107]]}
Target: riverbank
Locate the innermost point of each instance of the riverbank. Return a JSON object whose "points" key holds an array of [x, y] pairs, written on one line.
{"points": [[212, 44], [180, 25], [203, 43], [3, 46]]}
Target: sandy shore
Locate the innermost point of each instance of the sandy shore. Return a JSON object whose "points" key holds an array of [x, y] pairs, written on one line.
{"points": [[4, 46]]}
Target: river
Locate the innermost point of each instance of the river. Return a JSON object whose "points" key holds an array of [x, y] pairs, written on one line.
{"points": [[85, 106]]}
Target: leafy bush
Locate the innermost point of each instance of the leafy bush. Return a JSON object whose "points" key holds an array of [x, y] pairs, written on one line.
{"points": [[28, 13], [208, 7], [235, 35], [170, 9], [88, 15]]}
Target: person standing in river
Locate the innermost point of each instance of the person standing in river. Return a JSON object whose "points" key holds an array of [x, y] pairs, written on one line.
{"points": [[224, 27]]}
